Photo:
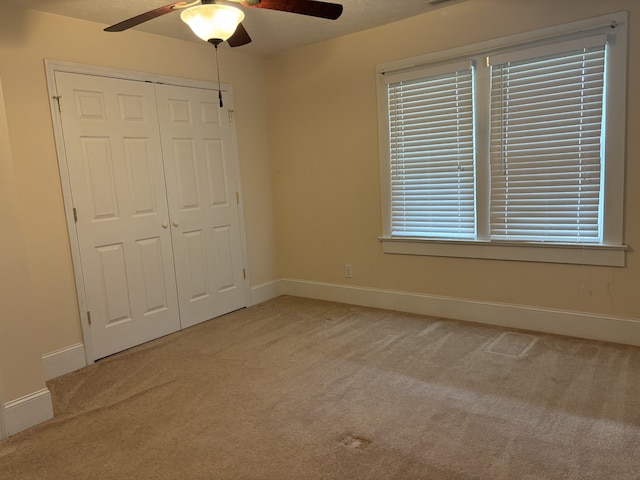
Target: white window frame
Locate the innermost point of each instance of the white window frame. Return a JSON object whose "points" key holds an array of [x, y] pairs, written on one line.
{"points": [[611, 251]]}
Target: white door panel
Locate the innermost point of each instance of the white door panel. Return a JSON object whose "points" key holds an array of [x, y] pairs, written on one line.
{"points": [[152, 175], [199, 156], [114, 159]]}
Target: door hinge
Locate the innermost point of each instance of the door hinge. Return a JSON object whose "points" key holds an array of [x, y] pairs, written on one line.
{"points": [[89, 317], [237, 198], [244, 274], [58, 98], [230, 112], [75, 215]]}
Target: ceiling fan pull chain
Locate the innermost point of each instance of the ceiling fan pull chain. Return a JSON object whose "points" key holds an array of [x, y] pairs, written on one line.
{"points": [[218, 70]]}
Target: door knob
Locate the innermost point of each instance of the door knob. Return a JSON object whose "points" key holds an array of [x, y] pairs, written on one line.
{"points": [[175, 223], [165, 225]]}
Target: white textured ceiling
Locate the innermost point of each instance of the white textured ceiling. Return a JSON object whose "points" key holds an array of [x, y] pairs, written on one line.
{"points": [[271, 31]]}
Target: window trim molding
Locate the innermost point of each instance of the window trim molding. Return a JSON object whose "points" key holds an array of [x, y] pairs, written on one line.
{"points": [[587, 254], [611, 253]]}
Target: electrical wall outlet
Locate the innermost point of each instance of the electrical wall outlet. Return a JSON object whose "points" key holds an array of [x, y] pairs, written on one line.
{"points": [[348, 273]]}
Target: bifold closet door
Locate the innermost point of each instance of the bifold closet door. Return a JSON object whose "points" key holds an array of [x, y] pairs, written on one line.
{"points": [[198, 146], [115, 168]]}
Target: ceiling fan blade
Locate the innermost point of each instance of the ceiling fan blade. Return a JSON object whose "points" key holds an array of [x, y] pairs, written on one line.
{"points": [[143, 17], [239, 38], [312, 8]]}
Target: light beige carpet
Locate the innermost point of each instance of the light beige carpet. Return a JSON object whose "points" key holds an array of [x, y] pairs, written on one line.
{"points": [[303, 389]]}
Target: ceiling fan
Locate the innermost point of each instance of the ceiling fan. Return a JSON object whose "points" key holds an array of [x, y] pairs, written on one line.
{"points": [[215, 21]]}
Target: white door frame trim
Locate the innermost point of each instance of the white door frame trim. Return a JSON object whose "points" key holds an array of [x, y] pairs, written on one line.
{"points": [[53, 66], [5, 136]]}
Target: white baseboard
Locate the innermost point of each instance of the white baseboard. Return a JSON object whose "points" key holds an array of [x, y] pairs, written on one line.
{"points": [[266, 291], [64, 361], [561, 322], [28, 411]]}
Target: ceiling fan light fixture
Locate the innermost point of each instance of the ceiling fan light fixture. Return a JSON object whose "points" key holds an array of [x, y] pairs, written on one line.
{"points": [[212, 21]]}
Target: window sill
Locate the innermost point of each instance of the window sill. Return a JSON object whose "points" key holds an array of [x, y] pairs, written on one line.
{"points": [[604, 255]]}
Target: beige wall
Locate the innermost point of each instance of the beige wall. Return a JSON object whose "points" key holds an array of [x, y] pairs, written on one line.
{"points": [[326, 178], [16, 318], [44, 262]]}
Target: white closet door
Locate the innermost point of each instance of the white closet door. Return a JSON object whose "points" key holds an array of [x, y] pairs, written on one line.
{"points": [[112, 144], [199, 157]]}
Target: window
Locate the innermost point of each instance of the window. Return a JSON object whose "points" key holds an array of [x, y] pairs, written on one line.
{"points": [[513, 153], [546, 143], [431, 154]]}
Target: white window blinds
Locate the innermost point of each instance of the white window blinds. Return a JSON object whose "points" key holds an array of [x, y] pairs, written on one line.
{"points": [[431, 153], [546, 144]]}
